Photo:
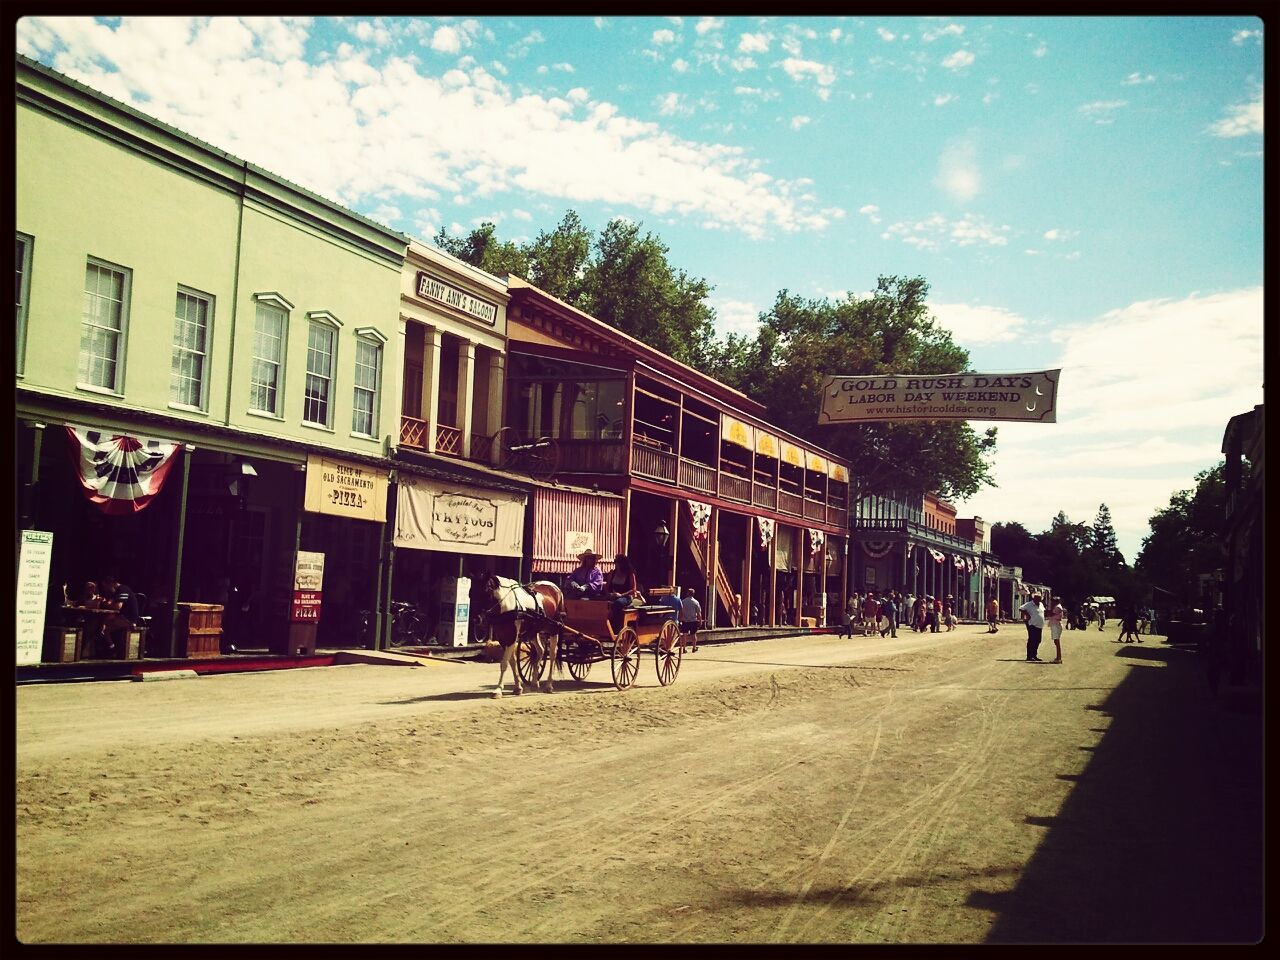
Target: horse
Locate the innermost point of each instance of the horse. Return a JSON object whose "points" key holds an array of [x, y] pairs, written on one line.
{"points": [[543, 604]]}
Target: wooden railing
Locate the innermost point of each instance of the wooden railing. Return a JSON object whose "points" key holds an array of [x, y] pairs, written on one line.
{"points": [[763, 496], [735, 488], [448, 440], [649, 461], [413, 432], [814, 509], [697, 476], [838, 516], [481, 448], [591, 456], [790, 503]]}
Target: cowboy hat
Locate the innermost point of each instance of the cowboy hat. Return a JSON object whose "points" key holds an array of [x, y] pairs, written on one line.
{"points": [[586, 555]]}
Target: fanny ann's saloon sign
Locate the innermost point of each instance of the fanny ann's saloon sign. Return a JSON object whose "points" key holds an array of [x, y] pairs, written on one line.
{"points": [[429, 288]]}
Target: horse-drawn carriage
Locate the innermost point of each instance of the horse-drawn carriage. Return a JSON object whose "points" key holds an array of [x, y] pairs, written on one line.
{"points": [[538, 627]]}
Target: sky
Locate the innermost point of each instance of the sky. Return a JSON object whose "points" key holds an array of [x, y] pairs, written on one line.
{"points": [[1080, 193]]}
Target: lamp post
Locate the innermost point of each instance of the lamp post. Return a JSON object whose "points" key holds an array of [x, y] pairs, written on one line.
{"points": [[661, 537]]}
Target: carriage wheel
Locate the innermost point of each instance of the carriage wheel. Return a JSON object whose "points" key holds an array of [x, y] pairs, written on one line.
{"points": [[625, 660], [668, 651], [524, 662], [579, 664]]}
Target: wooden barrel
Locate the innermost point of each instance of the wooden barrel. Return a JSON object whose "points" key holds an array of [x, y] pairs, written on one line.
{"points": [[199, 630]]}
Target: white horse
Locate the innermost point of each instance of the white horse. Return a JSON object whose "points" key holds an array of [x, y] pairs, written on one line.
{"points": [[541, 603]]}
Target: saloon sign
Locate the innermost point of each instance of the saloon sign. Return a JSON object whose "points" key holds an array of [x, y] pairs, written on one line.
{"points": [[429, 288], [950, 396]]}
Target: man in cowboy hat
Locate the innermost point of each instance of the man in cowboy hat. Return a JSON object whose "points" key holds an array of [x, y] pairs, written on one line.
{"points": [[587, 582]]}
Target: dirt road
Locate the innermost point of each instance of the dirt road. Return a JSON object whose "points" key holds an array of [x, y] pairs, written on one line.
{"points": [[929, 789]]}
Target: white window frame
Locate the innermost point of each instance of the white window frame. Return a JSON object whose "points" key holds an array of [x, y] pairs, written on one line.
{"points": [[122, 334], [203, 405], [23, 291], [326, 321], [271, 301], [368, 337]]}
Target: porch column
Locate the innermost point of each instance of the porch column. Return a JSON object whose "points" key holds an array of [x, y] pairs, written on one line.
{"points": [[497, 380], [713, 562], [745, 609], [431, 383], [673, 557], [773, 576], [28, 501], [175, 582], [466, 392], [798, 565]]}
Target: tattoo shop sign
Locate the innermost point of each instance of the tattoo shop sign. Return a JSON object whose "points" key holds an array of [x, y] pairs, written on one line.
{"points": [[431, 516], [950, 396], [346, 489]]}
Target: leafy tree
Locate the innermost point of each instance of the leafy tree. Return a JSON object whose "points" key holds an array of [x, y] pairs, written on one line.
{"points": [[1186, 537], [891, 331], [1062, 546], [1103, 539], [481, 248], [1016, 546], [558, 260]]}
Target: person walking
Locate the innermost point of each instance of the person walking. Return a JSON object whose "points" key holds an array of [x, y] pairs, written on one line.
{"points": [[1033, 617], [690, 616], [949, 614], [870, 613], [993, 614], [1129, 626], [846, 618], [889, 615], [935, 613], [1055, 617], [1102, 617]]}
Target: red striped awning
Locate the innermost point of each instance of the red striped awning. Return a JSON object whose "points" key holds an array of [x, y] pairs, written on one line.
{"points": [[566, 523]]}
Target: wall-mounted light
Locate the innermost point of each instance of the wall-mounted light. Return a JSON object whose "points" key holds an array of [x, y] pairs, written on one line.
{"points": [[241, 471], [661, 534]]}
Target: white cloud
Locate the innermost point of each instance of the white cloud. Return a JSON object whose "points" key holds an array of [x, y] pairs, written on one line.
{"points": [[680, 65], [672, 104], [1240, 36], [1059, 235], [885, 35], [798, 122], [1040, 50], [937, 231], [942, 99], [1137, 416], [958, 60], [835, 34], [578, 95], [871, 212], [971, 324], [664, 36], [1102, 111], [800, 70], [1135, 79], [446, 40], [736, 316], [707, 24], [354, 133], [958, 173], [753, 43], [990, 98], [741, 64], [563, 67], [950, 30], [1241, 119]]}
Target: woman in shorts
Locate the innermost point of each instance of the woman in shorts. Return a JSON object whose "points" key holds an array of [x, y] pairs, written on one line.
{"points": [[1054, 620]]}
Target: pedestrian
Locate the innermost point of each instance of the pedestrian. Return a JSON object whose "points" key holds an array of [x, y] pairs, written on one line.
{"points": [[1129, 626], [690, 617], [1033, 617], [949, 613], [846, 618], [1102, 617], [1056, 615], [993, 614], [934, 613], [870, 613], [889, 615], [917, 615]]}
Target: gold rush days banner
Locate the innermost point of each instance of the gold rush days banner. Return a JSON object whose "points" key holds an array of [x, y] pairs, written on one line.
{"points": [[947, 396]]}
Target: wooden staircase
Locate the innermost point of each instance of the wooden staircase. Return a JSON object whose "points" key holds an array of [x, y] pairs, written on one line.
{"points": [[725, 593]]}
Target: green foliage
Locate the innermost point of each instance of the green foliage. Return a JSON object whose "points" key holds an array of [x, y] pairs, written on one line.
{"points": [[481, 248], [1186, 536], [558, 260]]}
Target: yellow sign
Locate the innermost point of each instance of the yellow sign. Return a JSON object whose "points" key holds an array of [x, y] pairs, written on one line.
{"points": [[817, 464], [792, 455], [837, 472], [766, 444], [735, 431], [345, 489]]}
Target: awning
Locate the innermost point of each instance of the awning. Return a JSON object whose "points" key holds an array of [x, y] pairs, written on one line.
{"points": [[837, 472], [816, 463], [791, 454], [566, 523], [458, 519], [736, 432], [767, 444]]}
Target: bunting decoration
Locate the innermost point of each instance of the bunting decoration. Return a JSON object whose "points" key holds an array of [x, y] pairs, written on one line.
{"points": [[765, 526], [816, 539], [701, 514], [936, 554], [957, 562], [119, 474], [875, 549]]}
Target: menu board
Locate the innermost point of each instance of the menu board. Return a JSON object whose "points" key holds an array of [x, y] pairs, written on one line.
{"points": [[33, 584]]}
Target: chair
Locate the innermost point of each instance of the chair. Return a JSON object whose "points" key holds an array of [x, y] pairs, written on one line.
{"points": [[143, 623]]}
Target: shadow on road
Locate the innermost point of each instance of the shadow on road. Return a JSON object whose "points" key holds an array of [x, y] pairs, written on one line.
{"points": [[1160, 839]]}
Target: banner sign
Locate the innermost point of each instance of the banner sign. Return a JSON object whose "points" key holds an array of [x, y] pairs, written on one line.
{"points": [[120, 474], [308, 581], [766, 531], [345, 489], [429, 288], [736, 432], [1027, 397], [701, 514], [578, 542], [35, 555], [431, 516]]}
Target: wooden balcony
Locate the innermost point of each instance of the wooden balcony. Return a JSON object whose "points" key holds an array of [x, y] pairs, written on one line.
{"points": [[838, 516], [654, 463], [735, 488], [764, 496], [790, 503], [591, 456], [697, 476], [413, 432], [481, 448], [448, 440], [815, 509]]}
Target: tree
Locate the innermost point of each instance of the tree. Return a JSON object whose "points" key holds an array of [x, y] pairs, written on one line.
{"points": [[558, 260], [891, 331], [1186, 537], [1103, 537], [1016, 546], [481, 248]]}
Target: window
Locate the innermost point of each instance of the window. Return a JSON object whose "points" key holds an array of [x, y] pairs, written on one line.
{"points": [[23, 292], [364, 417], [319, 386], [102, 323], [270, 324], [190, 349]]}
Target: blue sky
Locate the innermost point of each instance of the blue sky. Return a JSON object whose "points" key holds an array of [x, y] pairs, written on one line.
{"points": [[1083, 193]]}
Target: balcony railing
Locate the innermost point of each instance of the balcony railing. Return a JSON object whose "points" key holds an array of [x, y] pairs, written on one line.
{"points": [[654, 463], [413, 432], [838, 516], [590, 456], [481, 448], [697, 476], [735, 488], [763, 496], [448, 440], [814, 509], [790, 503]]}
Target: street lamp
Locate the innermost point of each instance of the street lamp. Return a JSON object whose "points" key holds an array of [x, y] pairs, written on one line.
{"points": [[661, 534]]}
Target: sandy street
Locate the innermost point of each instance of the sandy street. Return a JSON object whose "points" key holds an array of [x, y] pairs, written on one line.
{"points": [[933, 788]]}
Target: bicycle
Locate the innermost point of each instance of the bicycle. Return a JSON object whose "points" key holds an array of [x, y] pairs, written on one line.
{"points": [[407, 627], [538, 458]]}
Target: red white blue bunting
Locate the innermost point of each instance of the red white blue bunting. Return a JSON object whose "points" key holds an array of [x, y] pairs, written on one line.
{"points": [[701, 514], [765, 526], [120, 474]]}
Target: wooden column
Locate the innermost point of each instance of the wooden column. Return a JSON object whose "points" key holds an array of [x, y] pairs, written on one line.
{"points": [[175, 583], [466, 392], [797, 552], [431, 383], [713, 563], [673, 558], [773, 577], [497, 381], [744, 610]]}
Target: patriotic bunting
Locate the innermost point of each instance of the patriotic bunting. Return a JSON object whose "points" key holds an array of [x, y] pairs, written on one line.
{"points": [[875, 549], [936, 554], [120, 474], [701, 514], [766, 531], [816, 538]]}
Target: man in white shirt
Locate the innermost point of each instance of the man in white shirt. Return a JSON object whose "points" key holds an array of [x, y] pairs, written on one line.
{"points": [[1033, 616], [690, 616]]}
